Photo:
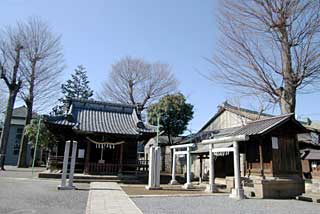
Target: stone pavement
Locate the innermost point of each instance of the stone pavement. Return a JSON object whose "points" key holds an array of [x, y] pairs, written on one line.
{"points": [[109, 198]]}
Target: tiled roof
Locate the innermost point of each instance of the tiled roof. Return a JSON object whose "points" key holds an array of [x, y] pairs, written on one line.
{"points": [[257, 127], [260, 126], [310, 154], [100, 117]]}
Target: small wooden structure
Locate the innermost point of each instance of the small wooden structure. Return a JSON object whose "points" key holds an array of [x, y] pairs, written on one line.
{"points": [[107, 135], [269, 160]]}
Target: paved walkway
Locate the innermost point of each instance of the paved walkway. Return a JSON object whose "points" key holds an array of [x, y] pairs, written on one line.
{"points": [[109, 198]]}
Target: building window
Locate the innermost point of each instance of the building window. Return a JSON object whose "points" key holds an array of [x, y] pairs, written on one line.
{"points": [[19, 133], [16, 148]]}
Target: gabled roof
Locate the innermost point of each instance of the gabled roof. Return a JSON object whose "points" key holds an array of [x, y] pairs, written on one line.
{"points": [[89, 116], [263, 126], [246, 113], [258, 127], [20, 112]]}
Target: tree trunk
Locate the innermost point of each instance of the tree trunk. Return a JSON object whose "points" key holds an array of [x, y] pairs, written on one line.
{"points": [[288, 100], [6, 128], [287, 94], [22, 160]]}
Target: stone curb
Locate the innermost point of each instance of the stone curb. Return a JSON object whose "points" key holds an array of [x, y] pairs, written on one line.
{"points": [[178, 195]]}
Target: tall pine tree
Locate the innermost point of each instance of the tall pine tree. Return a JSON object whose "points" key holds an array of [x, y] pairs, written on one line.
{"points": [[78, 85]]}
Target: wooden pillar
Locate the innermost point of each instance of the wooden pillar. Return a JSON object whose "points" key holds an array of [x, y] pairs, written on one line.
{"points": [[87, 160], [121, 158], [261, 159]]}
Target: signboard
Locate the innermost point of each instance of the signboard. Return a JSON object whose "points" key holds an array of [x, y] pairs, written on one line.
{"points": [[275, 144], [81, 153]]}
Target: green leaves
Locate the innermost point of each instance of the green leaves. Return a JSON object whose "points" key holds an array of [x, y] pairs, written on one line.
{"points": [[78, 85], [174, 113], [46, 139]]}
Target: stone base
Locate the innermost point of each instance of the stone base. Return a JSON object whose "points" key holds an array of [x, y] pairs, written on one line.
{"points": [[173, 182], [153, 188], [65, 187], [211, 188], [187, 186], [278, 188], [237, 194]]}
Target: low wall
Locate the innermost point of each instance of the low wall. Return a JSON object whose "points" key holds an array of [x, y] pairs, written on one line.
{"points": [[270, 188], [278, 188], [312, 186]]}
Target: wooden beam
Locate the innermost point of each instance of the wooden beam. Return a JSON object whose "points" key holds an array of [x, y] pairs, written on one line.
{"points": [[121, 158], [87, 160], [261, 158]]}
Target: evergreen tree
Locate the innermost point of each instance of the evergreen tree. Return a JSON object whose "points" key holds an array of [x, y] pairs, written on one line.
{"points": [[78, 85], [174, 112]]}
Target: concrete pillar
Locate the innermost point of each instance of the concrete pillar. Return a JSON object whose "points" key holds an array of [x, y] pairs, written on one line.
{"points": [[154, 168], [73, 163], [65, 166], [243, 164], [188, 185], [211, 186], [157, 167], [173, 179], [237, 192]]}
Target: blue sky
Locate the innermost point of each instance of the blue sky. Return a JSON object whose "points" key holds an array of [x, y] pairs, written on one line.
{"points": [[182, 33]]}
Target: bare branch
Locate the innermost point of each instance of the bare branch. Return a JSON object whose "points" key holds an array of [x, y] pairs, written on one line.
{"points": [[135, 81], [269, 47]]}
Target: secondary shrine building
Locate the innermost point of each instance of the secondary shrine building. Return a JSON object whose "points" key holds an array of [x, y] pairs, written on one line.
{"points": [[107, 136], [269, 158]]}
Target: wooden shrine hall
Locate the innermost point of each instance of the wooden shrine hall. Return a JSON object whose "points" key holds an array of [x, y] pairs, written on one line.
{"points": [[104, 137]]}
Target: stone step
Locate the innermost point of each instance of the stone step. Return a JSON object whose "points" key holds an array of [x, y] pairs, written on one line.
{"points": [[309, 198], [95, 180]]}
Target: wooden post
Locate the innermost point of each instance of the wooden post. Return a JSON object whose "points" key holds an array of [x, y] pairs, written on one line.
{"points": [[121, 158], [87, 160], [261, 159]]}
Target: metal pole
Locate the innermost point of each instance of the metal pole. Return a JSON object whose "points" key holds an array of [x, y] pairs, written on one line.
{"points": [[36, 145]]}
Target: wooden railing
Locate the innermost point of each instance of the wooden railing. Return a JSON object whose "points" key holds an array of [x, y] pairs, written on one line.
{"points": [[115, 168], [133, 166]]}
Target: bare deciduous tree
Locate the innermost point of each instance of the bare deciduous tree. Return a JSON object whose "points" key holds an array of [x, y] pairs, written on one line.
{"points": [[10, 58], [42, 64], [269, 47], [134, 81], [3, 98]]}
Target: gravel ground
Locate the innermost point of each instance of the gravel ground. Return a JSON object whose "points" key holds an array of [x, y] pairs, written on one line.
{"points": [[22, 194], [222, 204]]}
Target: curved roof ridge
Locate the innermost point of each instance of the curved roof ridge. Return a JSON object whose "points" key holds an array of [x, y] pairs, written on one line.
{"points": [[99, 102]]}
